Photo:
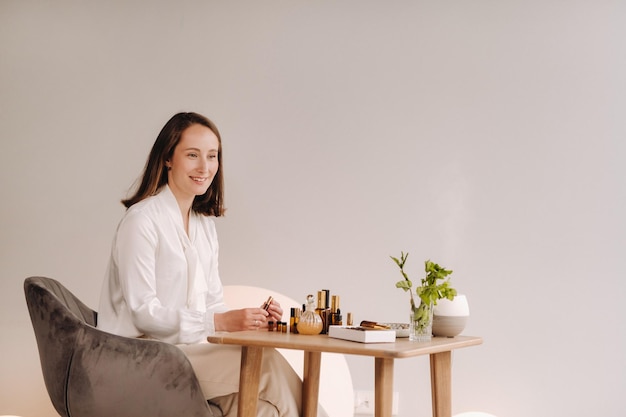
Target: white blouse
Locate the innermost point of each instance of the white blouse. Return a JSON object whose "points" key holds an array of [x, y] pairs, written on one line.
{"points": [[149, 286]]}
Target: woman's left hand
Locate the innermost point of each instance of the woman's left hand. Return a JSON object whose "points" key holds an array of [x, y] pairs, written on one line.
{"points": [[275, 310]]}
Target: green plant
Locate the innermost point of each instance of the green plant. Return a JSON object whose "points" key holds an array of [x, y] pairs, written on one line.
{"points": [[434, 286]]}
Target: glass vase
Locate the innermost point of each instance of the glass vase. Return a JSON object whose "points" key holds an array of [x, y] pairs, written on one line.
{"points": [[310, 322], [421, 323]]}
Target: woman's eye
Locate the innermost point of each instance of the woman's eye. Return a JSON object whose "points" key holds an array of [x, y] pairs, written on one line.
{"points": [[193, 155]]}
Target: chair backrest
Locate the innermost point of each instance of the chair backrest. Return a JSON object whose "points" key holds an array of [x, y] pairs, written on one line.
{"points": [[57, 317], [91, 373]]}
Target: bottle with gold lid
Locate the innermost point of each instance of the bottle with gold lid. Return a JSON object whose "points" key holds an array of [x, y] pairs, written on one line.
{"points": [[335, 312], [310, 322]]}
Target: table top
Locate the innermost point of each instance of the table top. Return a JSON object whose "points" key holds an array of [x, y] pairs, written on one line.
{"points": [[401, 348]]}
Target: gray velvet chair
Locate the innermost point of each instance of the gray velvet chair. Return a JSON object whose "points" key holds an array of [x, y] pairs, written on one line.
{"points": [[91, 373]]}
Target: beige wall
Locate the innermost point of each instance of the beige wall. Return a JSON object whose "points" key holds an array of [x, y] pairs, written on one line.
{"points": [[485, 135]]}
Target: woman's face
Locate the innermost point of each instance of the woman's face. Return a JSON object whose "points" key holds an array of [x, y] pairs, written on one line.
{"points": [[193, 164]]}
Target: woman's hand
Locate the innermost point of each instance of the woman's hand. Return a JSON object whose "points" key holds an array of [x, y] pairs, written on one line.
{"points": [[244, 319], [275, 311], [248, 318]]}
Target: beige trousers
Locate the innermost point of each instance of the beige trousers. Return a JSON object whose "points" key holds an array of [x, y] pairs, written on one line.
{"points": [[217, 369]]}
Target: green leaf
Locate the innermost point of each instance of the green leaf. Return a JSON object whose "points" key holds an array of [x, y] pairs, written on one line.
{"points": [[405, 285]]}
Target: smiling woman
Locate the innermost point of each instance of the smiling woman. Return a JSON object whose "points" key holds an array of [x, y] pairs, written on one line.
{"points": [[163, 281]]}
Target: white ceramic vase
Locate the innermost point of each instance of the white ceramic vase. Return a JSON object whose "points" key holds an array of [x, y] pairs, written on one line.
{"points": [[450, 316]]}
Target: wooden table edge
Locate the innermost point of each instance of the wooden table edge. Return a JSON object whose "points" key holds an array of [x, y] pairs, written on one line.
{"points": [[397, 350]]}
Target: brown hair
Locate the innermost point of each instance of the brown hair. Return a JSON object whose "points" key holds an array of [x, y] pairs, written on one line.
{"points": [[154, 176]]}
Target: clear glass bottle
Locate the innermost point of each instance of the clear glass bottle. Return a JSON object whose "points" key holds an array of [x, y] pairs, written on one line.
{"points": [[310, 322]]}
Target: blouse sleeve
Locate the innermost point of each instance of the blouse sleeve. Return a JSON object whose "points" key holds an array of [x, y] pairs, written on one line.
{"points": [[136, 252], [215, 297]]}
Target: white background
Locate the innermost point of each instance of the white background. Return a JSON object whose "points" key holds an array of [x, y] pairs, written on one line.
{"points": [[488, 136]]}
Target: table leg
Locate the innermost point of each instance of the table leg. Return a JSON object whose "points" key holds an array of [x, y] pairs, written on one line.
{"points": [[441, 383], [311, 383], [250, 374], [383, 387]]}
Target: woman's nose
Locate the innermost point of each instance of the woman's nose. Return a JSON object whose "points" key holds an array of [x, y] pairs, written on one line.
{"points": [[203, 165]]}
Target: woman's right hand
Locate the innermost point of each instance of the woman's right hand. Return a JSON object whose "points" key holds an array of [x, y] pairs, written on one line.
{"points": [[243, 319]]}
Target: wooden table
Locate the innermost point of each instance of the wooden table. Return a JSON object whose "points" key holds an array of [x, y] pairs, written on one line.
{"points": [[253, 342]]}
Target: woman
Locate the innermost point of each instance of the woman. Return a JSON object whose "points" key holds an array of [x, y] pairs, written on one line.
{"points": [[162, 281]]}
